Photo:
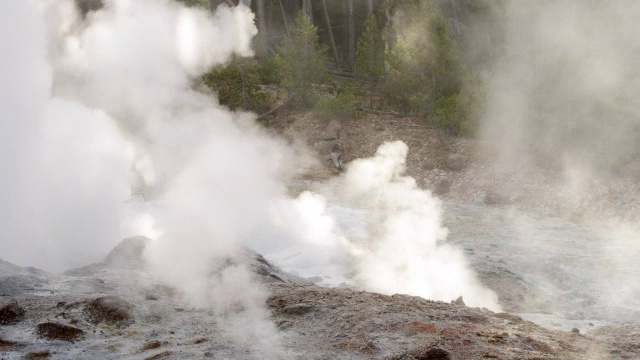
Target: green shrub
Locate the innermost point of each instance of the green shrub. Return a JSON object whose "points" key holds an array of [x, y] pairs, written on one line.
{"points": [[238, 85], [268, 71], [330, 107], [449, 112]]}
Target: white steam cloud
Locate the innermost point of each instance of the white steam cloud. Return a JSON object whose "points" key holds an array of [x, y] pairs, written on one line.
{"points": [[65, 165], [101, 107], [404, 249]]}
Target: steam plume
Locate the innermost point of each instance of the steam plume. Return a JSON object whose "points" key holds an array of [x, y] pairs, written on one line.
{"points": [[404, 249], [110, 109]]}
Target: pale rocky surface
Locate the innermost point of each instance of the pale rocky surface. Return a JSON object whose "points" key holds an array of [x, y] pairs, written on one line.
{"points": [[547, 273], [141, 318]]}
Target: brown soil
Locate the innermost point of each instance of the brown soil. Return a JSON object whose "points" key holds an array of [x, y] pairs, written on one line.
{"points": [[11, 314], [39, 355], [7, 344], [109, 310], [54, 331], [359, 137], [151, 345], [341, 322], [460, 168], [162, 355]]}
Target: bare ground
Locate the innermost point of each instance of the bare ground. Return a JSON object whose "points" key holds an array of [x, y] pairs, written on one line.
{"points": [[465, 169]]}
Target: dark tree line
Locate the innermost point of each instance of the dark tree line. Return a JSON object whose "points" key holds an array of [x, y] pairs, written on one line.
{"points": [[372, 44]]}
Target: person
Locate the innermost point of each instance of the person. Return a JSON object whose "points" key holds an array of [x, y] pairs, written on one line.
{"points": [[336, 157]]}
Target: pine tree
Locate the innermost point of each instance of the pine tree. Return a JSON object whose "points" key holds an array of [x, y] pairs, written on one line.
{"points": [[425, 70], [300, 59], [370, 55]]}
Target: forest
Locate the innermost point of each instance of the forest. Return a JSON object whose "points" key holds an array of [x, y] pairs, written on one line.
{"points": [[341, 58], [409, 57]]}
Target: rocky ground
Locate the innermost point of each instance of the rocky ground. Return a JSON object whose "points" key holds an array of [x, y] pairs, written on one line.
{"points": [[115, 310], [466, 169]]}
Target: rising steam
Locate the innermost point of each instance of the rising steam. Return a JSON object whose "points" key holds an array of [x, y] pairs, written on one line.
{"points": [[563, 97], [404, 249], [102, 107]]}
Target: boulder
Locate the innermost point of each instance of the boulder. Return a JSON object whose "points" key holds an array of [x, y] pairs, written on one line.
{"points": [[128, 254], [459, 301], [266, 271]]}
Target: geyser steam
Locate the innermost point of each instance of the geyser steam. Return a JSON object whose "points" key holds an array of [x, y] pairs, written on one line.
{"points": [[65, 164], [105, 104], [564, 97], [404, 249]]}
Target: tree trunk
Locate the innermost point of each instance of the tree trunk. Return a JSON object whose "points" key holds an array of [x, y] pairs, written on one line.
{"points": [[284, 18], [351, 36], [330, 30], [262, 27], [369, 6], [306, 6], [455, 16]]}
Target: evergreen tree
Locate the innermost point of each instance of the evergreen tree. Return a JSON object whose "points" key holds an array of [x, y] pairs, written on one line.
{"points": [[425, 68], [370, 55], [300, 59]]}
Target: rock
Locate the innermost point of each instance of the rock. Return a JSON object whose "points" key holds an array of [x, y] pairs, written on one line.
{"points": [[128, 254], [433, 354], [459, 301], [208, 354], [297, 309], [266, 271], [11, 313], [109, 310], [54, 331], [455, 162]]}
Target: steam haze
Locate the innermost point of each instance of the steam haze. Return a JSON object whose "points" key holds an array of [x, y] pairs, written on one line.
{"points": [[105, 114], [563, 115], [564, 94]]}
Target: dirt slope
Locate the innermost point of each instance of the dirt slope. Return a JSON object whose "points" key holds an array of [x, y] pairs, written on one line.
{"points": [[464, 169]]}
